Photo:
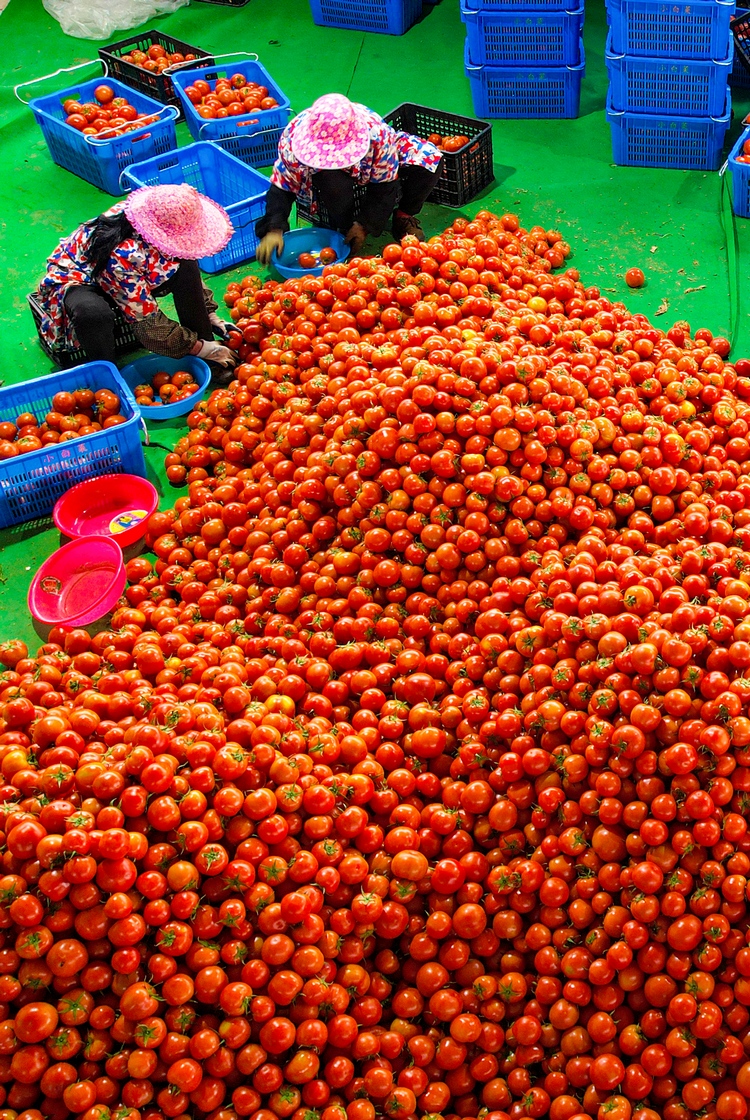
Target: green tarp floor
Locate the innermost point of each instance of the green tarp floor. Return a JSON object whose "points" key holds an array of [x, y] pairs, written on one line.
{"points": [[676, 225]]}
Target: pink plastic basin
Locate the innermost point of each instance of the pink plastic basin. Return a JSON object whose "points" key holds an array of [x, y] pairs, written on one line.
{"points": [[79, 583], [113, 505]]}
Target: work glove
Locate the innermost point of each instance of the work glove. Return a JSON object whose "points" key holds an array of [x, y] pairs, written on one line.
{"points": [[217, 354], [221, 327], [274, 239], [355, 239]]}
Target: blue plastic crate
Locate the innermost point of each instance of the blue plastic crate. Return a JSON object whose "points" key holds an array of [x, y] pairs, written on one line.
{"points": [[681, 87], [687, 143], [101, 162], [252, 139], [31, 484], [740, 173], [240, 189], [258, 150], [523, 37], [390, 17], [519, 91], [679, 29]]}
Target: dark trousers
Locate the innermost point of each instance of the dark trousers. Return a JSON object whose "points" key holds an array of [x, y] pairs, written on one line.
{"points": [[92, 313], [93, 317], [336, 190]]}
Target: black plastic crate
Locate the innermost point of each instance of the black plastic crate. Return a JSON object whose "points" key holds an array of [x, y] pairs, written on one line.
{"points": [[321, 216], [739, 78], [465, 173], [65, 356], [740, 25], [158, 86]]}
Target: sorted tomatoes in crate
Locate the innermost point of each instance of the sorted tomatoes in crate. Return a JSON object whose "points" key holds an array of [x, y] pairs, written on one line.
{"points": [[144, 62], [156, 59], [106, 116], [466, 144], [250, 131], [235, 96], [448, 143], [106, 142], [74, 414]]}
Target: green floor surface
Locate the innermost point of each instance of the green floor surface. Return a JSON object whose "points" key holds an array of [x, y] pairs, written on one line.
{"points": [[675, 225]]}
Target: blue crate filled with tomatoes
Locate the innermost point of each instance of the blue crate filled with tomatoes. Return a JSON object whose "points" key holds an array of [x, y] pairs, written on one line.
{"points": [[738, 165], [96, 129], [238, 106]]}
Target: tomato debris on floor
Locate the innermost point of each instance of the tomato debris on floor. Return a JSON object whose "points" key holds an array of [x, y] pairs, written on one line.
{"points": [[406, 773]]}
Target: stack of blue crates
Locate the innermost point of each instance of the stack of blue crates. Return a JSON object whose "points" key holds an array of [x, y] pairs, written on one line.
{"points": [[524, 58], [669, 67]]}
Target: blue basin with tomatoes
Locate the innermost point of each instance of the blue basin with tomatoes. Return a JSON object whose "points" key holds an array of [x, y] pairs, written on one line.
{"points": [[313, 241]]}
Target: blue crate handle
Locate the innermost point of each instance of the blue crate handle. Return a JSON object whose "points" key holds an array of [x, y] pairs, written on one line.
{"points": [[250, 57], [62, 70], [237, 125], [170, 111], [125, 185], [238, 135], [627, 113]]}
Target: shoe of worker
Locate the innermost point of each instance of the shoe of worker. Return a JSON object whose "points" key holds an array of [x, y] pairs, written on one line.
{"points": [[220, 376], [405, 224]]}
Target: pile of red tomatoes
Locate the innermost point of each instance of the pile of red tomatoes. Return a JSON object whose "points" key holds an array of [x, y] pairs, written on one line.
{"points": [[411, 779]]}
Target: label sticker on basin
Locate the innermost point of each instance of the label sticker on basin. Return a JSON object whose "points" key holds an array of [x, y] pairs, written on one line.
{"points": [[126, 520]]}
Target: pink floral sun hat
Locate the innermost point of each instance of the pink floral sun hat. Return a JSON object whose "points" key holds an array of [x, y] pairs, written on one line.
{"points": [[179, 221], [332, 134]]}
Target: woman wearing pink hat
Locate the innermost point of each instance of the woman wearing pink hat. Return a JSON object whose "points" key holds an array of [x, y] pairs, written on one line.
{"points": [[126, 258], [328, 148]]}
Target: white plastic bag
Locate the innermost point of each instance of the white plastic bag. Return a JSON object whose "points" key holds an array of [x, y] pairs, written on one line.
{"points": [[84, 20]]}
